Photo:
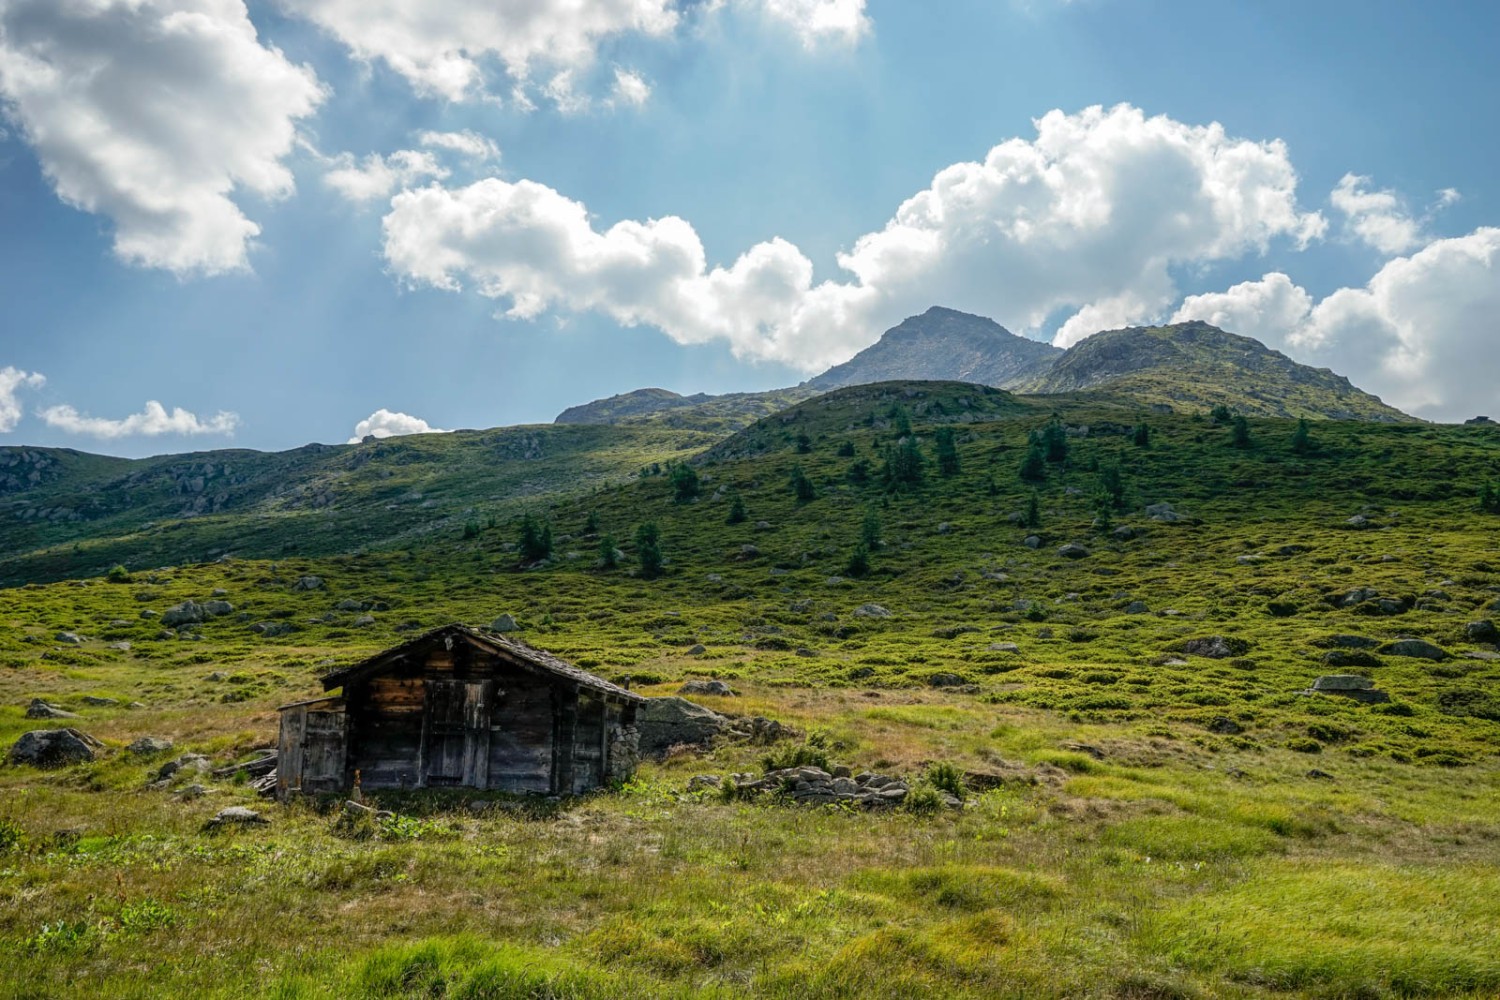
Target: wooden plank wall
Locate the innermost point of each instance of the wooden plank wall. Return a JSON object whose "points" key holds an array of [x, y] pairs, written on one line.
{"points": [[521, 734], [385, 729], [588, 745]]}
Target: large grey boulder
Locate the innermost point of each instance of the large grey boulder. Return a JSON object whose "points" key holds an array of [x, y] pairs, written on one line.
{"points": [[872, 611], [1482, 631], [1162, 512], [1215, 647], [215, 608], [1072, 550], [1360, 689], [1419, 649], [308, 582], [147, 746], [668, 722], [505, 623], [714, 687], [186, 613], [53, 748], [39, 709]]}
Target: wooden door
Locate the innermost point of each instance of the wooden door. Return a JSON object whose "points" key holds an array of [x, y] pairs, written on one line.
{"points": [[456, 733]]}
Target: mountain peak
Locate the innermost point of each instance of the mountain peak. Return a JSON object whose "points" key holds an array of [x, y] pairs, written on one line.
{"points": [[942, 343]]}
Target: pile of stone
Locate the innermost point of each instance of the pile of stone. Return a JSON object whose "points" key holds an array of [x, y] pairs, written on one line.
{"points": [[809, 785]]}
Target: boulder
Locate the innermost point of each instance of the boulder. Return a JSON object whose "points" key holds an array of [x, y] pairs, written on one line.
{"points": [[1072, 550], [714, 687], [1482, 631], [1137, 608], [871, 611], [1123, 533], [945, 680], [1225, 726], [69, 638], [1003, 647], [505, 623], [1347, 642], [672, 721], [186, 613], [272, 629], [191, 763], [1163, 512], [364, 621], [1032, 541], [146, 746], [39, 709], [308, 582], [53, 748], [98, 702], [1419, 649], [1215, 647], [349, 604], [236, 816], [214, 609], [1361, 689], [1351, 658]]}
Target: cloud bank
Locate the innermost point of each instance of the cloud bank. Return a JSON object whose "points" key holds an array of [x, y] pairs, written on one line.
{"points": [[155, 113], [12, 380], [154, 420], [1089, 216]]}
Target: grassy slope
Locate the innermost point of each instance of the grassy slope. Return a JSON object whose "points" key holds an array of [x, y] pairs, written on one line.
{"points": [[1174, 861]]}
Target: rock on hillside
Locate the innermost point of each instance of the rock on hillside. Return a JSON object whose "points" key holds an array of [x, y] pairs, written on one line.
{"points": [[1195, 365], [699, 411], [943, 344]]}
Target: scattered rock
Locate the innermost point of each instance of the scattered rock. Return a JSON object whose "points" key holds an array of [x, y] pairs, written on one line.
{"points": [[98, 702], [1346, 642], [364, 621], [214, 609], [39, 709], [1137, 608], [1073, 550], [148, 746], [1360, 689], [70, 638], [1215, 647], [273, 629], [1003, 647], [1482, 631], [1318, 775], [945, 680], [1351, 658], [1163, 513], [236, 816], [1225, 726], [186, 613], [945, 528], [714, 687], [53, 748], [349, 604], [1358, 522], [192, 763], [1419, 649], [1032, 541], [122, 646], [505, 623], [193, 791], [698, 649], [308, 582], [871, 611], [1123, 533]]}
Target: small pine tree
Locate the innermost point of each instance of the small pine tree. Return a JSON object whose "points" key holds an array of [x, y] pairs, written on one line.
{"points": [[1033, 515], [608, 556], [1239, 435], [1034, 465], [737, 513], [900, 420], [1221, 414], [990, 487], [1104, 506], [591, 525], [1142, 436], [869, 532], [846, 449], [1489, 499], [904, 464], [1055, 441], [1302, 443], [1112, 484], [804, 444], [859, 473], [648, 550], [535, 539], [947, 452], [118, 574], [859, 561], [802, 487], [685, 483]]}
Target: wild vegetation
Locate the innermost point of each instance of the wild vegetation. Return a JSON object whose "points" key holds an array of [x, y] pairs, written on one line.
{"points": [[968, 591]]}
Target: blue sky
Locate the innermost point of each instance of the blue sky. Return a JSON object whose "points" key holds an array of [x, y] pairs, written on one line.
{"points": [[284, 219]]}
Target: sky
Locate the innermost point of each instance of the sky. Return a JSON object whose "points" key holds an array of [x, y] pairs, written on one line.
{"points": [[260, 224]]}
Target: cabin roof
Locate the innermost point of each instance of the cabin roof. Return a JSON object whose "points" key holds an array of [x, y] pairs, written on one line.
{"points": [[505, 647]]}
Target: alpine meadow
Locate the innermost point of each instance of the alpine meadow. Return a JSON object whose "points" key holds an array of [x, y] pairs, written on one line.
{"points": [[834, 640]]}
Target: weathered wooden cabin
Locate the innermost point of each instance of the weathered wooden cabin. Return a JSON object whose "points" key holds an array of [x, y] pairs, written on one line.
{"points": [[458, 707]]}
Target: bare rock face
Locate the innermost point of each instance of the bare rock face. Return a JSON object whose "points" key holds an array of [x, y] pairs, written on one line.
{"points": [[53, 748]]}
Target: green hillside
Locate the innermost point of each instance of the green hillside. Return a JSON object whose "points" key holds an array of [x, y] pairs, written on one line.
{"points": [[1155, 808]]}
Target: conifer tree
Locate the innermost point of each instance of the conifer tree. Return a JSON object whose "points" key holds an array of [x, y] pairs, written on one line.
{"points": [[535, 539], [947, 452], [802, 487], [1033, 515], [1239, 435], [1302, 443], [1034, 465], [685, 483], [608, 557], [737, 513], [648, 549], [1142, 437]]}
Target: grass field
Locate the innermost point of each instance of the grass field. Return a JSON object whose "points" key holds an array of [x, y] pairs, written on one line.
{"points": [[1166, 824]]}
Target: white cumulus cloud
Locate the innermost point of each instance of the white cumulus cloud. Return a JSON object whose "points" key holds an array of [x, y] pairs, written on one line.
{"points": [[376, 176], [155, 113], [442, 48], [12, 380], [466, 143], [819, 21], [385, 423], [630, 90], [1090, 216], [1420, 334], [1378, 218], [154, 420]]}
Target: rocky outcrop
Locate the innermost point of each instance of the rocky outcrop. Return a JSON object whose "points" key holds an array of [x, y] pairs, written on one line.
{"points": [[54, 748]]}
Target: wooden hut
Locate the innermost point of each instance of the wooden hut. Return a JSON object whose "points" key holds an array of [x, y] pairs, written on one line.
{"points": [[458, 707]]}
